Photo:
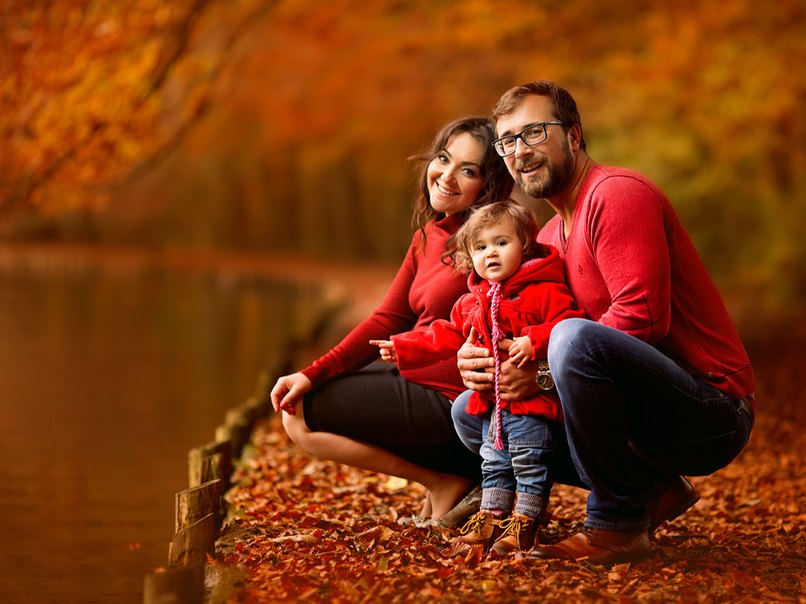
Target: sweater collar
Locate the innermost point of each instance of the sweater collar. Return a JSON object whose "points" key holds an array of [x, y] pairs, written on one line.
{"points": [[450, 223]]}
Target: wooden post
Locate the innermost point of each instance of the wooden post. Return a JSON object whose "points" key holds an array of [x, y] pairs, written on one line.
{"points": [[195, 503], [240, 429], [171, 586], [191, 544], [200, 509], [263, 391], [253, 409], [239, 423], [189, 550], [209, 462]]}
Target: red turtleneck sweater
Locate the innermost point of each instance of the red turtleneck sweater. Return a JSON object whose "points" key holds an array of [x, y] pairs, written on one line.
{"points": [[423, 291]]}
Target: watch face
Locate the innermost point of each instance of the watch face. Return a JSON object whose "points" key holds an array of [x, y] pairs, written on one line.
{"points": [[544, 381]]}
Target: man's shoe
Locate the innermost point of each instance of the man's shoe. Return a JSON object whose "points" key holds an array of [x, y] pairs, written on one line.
{"points": [[519, 532], [598, 546], [480, 531], [678, 496]]}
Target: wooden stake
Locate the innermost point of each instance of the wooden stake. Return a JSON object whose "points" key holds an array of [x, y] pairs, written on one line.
{"points": [[195, 503]]}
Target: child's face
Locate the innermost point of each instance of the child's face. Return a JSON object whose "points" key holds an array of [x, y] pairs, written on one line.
{"points": [[497, 251]]}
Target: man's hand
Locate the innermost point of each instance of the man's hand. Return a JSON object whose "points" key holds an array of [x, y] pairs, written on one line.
{"points": [[517, 382], [475, 364], [477, 368]]}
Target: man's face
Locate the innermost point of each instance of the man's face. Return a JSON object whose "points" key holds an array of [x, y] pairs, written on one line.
{"points": [[542, 171]]}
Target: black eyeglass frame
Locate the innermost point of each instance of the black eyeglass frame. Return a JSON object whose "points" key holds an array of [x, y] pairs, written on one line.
{"points": [[498, 144]]}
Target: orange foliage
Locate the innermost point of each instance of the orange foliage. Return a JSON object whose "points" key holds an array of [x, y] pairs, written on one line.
{"points": [[299, 97], [82, 100], [306, 529]]}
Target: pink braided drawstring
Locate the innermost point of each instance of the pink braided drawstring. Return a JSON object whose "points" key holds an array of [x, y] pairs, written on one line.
{"points": [[495, 333]]}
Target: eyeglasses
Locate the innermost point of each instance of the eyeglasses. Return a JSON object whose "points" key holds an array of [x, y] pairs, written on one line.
{"points": [[532, 135]]}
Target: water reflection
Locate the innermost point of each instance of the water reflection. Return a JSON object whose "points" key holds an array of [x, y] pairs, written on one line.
{"points": [[106, 381]]}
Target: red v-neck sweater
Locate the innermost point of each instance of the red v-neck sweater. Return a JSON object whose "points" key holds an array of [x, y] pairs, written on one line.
{"points": [[631, 265], [424, 289]]}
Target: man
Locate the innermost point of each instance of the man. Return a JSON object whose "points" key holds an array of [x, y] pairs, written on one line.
{"points": [[656, 383]]}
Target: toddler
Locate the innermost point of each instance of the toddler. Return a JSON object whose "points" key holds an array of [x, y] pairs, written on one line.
{"points": [[518, 293]]}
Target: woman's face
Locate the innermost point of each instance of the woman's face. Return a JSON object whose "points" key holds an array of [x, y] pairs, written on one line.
{"points": [[454, 175]]}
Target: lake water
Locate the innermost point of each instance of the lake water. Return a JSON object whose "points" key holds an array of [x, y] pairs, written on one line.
{"points": [[106, 381]]}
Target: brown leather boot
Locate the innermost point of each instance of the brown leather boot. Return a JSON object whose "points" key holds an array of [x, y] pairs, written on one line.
{"points": [[677, 497], [519, 532], [481, 530], [598, 546]]}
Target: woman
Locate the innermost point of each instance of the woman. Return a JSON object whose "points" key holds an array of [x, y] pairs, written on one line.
{"points": [[369, 415]]}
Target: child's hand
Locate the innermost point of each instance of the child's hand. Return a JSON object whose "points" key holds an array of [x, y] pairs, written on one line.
{"points": [[520, 352], [387, 350]]}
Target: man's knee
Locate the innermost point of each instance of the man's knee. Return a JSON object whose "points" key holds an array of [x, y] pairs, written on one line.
{"points": [[564, 342]]}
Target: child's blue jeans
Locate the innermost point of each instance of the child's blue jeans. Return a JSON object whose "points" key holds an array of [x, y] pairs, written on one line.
{"points": [[524, 464]]}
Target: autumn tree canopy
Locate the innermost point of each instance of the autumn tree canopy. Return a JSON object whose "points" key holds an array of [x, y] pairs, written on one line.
{"points": [[286, 124]]}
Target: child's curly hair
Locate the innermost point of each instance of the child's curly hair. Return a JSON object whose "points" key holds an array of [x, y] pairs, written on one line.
{"points": [[482, 217]]}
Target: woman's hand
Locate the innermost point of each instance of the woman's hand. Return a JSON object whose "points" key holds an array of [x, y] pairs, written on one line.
{"points": [[288, 391], [387, 350]]}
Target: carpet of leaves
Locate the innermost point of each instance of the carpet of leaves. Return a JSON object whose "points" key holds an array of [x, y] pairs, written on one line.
{"points": [[302, 529]]}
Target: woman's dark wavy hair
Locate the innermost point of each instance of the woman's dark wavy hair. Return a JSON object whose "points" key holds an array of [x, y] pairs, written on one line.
{"points": [[497, 181]]}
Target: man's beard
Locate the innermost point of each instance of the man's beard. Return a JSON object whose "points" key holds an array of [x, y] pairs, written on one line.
{"points": [[557, 177]]}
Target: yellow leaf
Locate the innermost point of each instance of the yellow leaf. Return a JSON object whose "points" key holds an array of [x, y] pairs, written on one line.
{"points": [[395, 484]]}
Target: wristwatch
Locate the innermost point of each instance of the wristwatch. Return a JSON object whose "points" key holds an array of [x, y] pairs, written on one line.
{"points": [[543, 377]]}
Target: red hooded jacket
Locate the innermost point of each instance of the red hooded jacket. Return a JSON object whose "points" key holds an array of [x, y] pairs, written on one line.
{"points": [[532, 301]]}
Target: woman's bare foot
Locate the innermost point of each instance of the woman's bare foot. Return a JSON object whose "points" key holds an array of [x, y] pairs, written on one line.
{"points": [[426, 511], [447, 493]]}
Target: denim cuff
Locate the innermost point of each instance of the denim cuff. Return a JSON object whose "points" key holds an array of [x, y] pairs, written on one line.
{"points": [[497, 499], [530, 505]]}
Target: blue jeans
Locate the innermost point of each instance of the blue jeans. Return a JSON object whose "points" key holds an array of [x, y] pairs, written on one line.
{"points": [[524, 464], [471, 432], [634, 419]]}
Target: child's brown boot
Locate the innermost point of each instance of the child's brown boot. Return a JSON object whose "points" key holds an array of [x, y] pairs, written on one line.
{"points": [[480, 531], [519, 532]]}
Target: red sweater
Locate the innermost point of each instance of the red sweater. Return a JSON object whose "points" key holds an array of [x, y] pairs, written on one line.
{"points": [[631, 265], [423, 291], [533, 300]]}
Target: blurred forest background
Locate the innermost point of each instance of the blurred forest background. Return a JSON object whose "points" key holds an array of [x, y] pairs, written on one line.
{"points": [[285, 125], [227, 131]]}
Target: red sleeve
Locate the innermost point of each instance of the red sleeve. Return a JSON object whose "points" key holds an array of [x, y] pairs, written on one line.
{"points": [[392, 316], [438, 342], [626, 234], [554, 303]]}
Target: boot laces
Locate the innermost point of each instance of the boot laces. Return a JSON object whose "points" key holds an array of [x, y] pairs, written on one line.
{"points": [[514, 525], [475, 524]]}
